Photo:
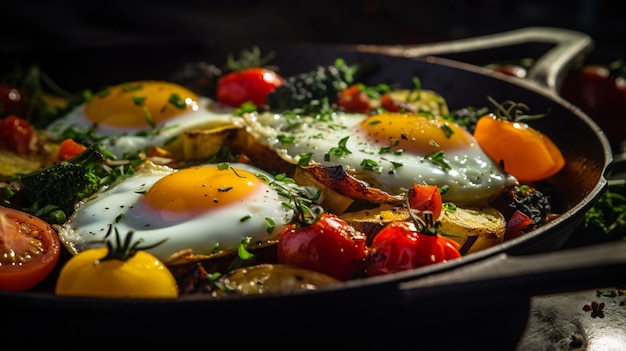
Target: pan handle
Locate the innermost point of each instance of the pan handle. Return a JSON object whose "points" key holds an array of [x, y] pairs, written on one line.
{"points": [[570, 48], [583, 268]]}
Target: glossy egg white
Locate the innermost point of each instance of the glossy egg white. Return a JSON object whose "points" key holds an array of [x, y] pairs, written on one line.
{"points": [[122, 119], [169, 213], [363, 145]]}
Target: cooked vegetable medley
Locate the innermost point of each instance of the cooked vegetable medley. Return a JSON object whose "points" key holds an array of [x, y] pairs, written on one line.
{"points": [[282, 183]]}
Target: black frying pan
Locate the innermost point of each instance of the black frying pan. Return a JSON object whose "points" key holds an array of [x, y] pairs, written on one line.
{"points": [[479, 301]]}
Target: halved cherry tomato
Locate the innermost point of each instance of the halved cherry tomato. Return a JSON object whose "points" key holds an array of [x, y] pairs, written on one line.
{"points": [[399, 246], [354, 99], [248, 85], [526, 153], [330, 246], [16, 134], [426, 198], [68, 149], [29, 250]]}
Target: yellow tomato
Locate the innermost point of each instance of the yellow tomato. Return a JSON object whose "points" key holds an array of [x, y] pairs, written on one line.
{"points": [[526, 153], [139, 276]]}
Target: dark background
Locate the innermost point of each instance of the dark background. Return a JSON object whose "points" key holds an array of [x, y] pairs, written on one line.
{"points": [[29, 24]]}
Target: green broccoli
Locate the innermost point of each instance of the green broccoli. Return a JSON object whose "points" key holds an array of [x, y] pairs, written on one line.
{"points": [[310, 91], [52, 192]]}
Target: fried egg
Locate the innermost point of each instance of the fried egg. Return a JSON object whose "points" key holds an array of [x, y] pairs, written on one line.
{"points": [[134, 115], [389, 150], [205, 209]]}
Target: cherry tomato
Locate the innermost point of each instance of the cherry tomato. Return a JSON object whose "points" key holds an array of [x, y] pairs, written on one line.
{"points": [[12, 101], [526, 153], [248, 85], [126, 273], [29, 250], [600, 92], [399, 246], [68, 149], [390, 104], [354, 99], [426, 198], [330, 246], [16, 134]]}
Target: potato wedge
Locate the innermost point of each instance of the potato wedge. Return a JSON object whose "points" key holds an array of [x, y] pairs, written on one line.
{"points": [[371, 221], [486, 224]]}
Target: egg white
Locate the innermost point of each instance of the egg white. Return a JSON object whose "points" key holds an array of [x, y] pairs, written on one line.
{"points": [[474, 178], [223, 227], [206, 113]]}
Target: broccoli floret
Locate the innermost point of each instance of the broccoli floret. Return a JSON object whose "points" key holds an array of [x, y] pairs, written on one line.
{"points": [[308, 92], [52, 192]]}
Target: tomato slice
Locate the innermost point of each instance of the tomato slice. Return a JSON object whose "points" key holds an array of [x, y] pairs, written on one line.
{"points": [[29, 250]]}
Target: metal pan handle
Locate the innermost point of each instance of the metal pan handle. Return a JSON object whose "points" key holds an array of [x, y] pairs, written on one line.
{"points": [[584, 268], [570, 48]]}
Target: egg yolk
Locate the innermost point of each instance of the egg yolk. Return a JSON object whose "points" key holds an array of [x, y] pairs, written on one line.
{"points": [[416, 133], [191, 191], [140, 104]]}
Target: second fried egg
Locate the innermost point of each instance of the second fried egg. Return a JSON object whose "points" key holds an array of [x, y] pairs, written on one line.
{"points": [[389, 150]]}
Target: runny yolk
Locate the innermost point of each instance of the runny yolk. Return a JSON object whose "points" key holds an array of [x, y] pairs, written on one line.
{"points": [[416, 133], [140, 104], [194, 190]]}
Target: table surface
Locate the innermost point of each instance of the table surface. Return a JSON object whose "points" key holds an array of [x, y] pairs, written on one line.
{"points": [[591, 320]]}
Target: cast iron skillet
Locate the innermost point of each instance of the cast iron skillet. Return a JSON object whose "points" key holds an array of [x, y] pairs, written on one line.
{"points": [[479, 301]]}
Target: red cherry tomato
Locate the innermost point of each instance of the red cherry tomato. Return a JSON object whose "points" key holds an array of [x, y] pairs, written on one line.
{"points": [[354, 99], [601, 94], [68, 149], [426, 198], [12, 100], [249, 85], [16, 134], [399, 246], [330, 246], [29, 250], [390, 104]]}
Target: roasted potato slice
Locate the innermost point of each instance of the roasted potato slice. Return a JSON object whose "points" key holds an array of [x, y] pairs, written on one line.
{"points": [[271, 278], [371, 221], [485, 224], [201, 144], [416, 100]]}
